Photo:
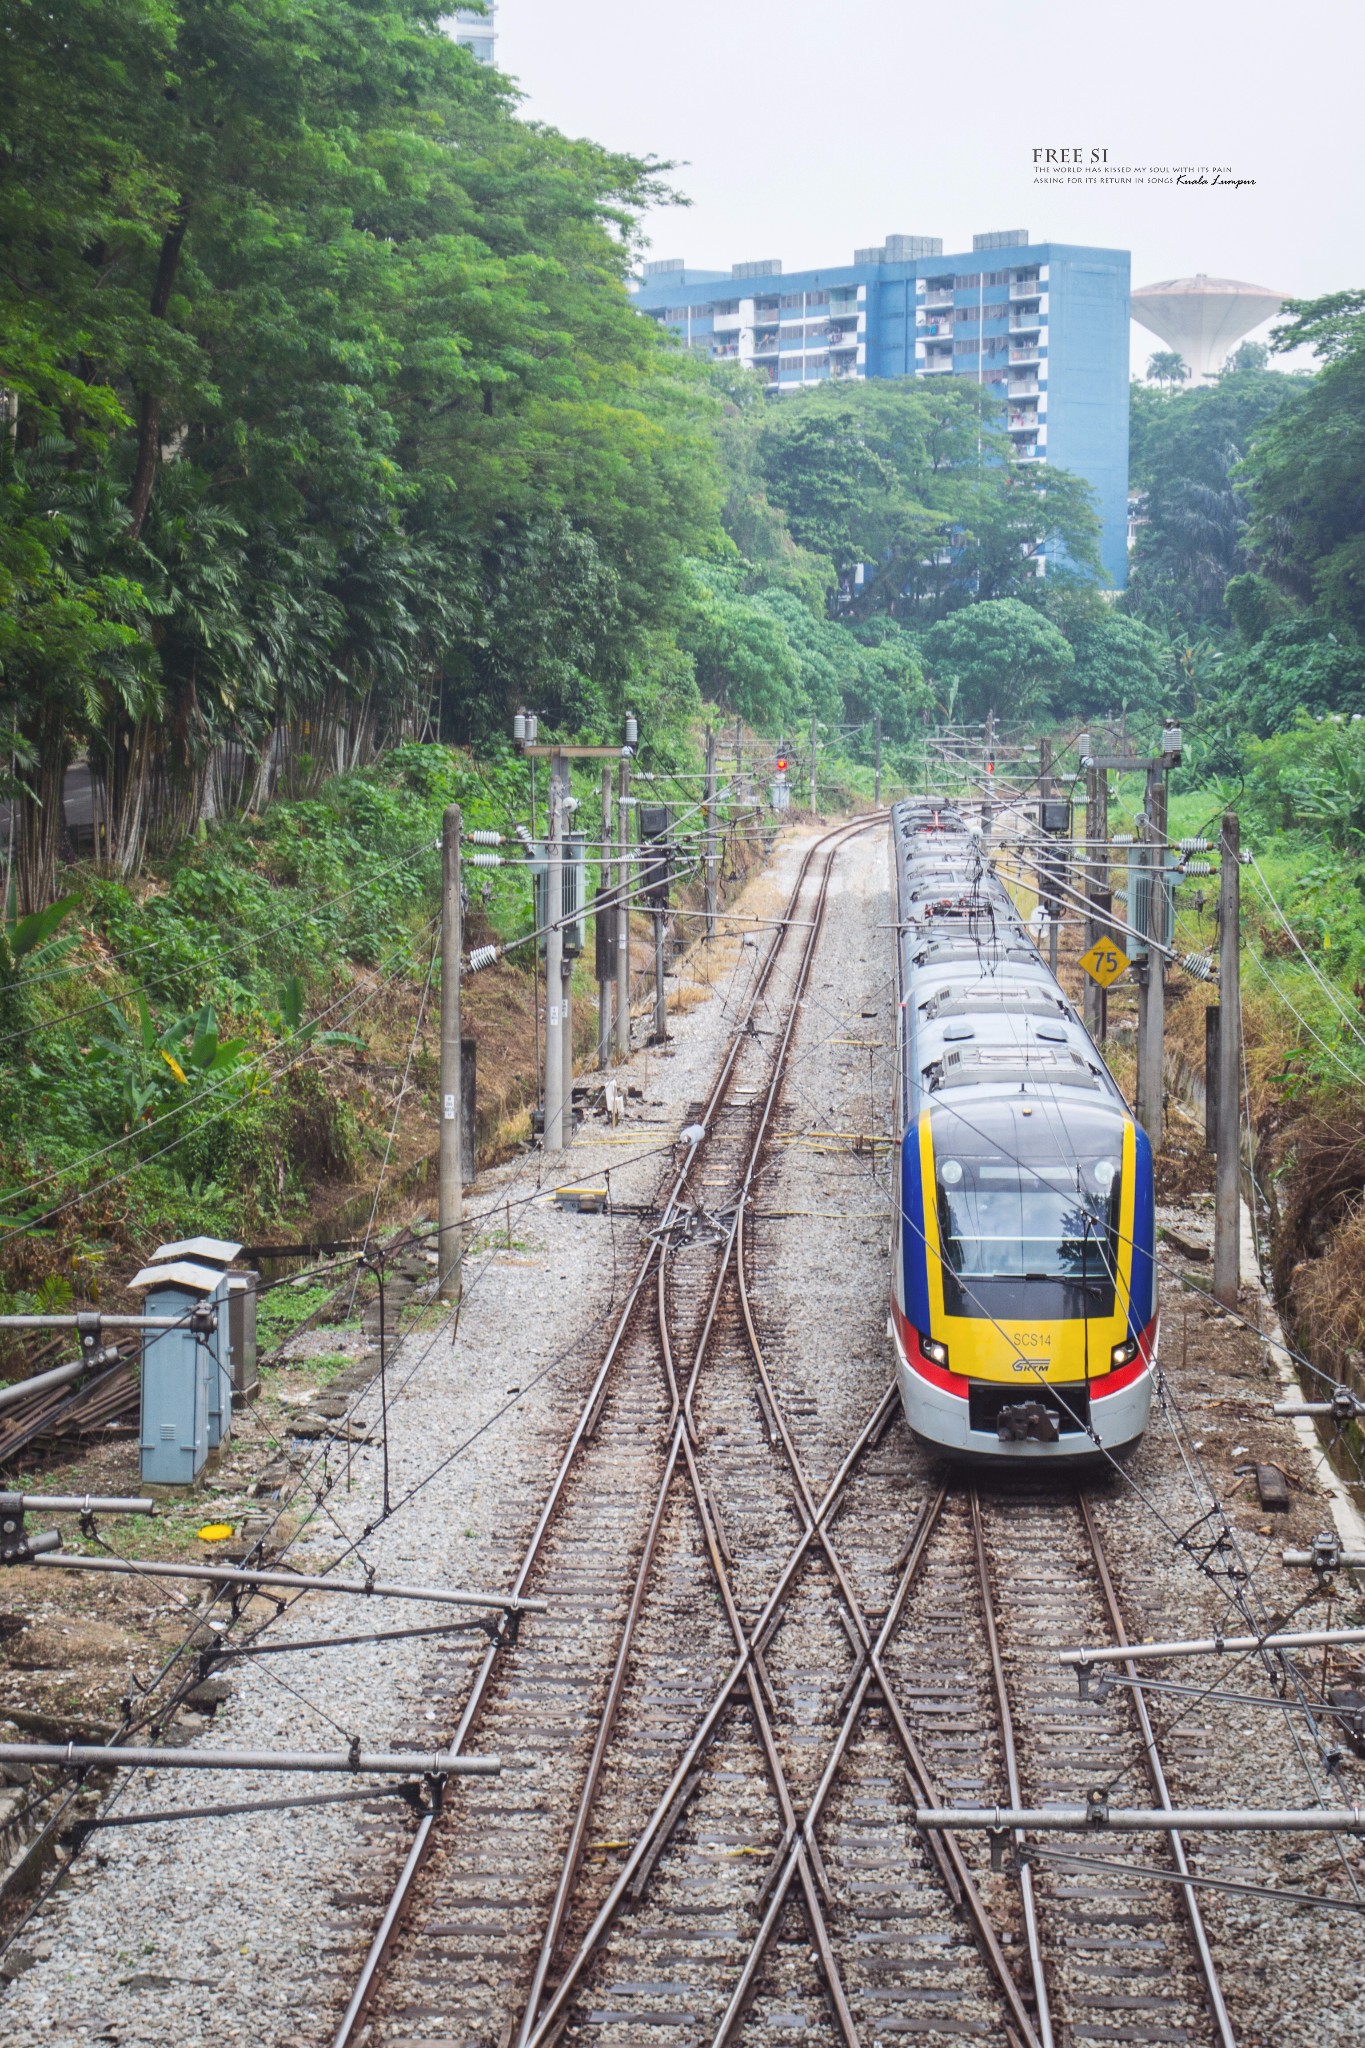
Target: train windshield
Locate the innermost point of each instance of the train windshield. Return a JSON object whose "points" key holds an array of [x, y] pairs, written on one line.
{"points": [[1028, 1209]]}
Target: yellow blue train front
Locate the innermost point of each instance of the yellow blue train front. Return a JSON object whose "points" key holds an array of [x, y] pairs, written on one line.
{"points": [[1024, 1296]]}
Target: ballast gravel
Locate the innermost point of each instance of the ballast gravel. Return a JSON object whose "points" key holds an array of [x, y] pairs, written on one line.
{"points": [[250, 1930]]}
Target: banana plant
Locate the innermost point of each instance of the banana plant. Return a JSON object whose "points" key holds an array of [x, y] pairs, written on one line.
{"points": [[163, 1067]]}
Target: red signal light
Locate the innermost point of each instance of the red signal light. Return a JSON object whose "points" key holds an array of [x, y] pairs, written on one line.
{"points": [[781, 764]]}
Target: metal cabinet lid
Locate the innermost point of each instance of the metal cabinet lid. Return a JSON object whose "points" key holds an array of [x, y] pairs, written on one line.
{"points": [[187, 1273], [215, 1250]]}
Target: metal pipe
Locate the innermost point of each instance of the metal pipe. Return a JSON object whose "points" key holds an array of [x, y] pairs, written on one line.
{"points": [[60, 1376], [79, 1504], [1215, 1646], [1148, 1820], [384, 1762], [97, 1315], [1346, 1560], [297, 1582]]}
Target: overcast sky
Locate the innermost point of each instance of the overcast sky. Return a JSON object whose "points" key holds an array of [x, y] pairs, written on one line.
{"points": [[803, 129]]}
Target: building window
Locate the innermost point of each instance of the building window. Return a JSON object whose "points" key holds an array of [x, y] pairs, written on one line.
{"points": [[480, 48], [724, 306], [967, 284], [762, 306], [817, 298]]}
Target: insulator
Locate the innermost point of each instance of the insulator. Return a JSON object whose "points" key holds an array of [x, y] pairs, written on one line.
{"points": [[1196, 845], [483, 956], [484, 838], [1199, 966], [1196, 867], [484, 860]]}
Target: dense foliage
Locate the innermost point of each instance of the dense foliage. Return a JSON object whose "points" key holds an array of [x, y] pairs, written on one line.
{"points": [[1250, 553], [334, 420]]}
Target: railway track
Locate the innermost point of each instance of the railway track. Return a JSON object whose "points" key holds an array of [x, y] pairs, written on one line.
{"points": [[591, 1550], [755, 1666]]}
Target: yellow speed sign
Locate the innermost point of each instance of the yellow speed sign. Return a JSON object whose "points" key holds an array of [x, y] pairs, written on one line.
{"points": [[1104, 962]]}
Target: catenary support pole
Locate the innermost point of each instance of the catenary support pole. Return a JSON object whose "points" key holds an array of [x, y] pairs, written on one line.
{"points": [[561, 765], [1227, 1219], [812, 760], [1151, 1075], [604, 979], [710, 833], [449, 1196], [623, 912], [877, 765], [660, 989], [1094, 833], [554, 971]]}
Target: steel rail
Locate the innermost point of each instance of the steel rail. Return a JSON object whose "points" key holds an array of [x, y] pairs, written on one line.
{"points": [[1157, 1776], [870, 1669], [420, 1847], [683, 1437], [870, 1672], [668, 1808], [799, 1858], [1029, 1904]]}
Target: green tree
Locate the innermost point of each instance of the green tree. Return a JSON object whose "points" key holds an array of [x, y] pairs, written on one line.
{"points": [[1305, 475], [1191, 536], [1004, 656], [1168, 368]]}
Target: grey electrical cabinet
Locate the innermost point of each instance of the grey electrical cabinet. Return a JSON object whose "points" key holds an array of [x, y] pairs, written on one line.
{"points": [[180, 1371], [218, 1252]]}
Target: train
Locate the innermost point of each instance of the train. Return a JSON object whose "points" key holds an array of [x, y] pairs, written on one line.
{"points": [[1024, 1309]]}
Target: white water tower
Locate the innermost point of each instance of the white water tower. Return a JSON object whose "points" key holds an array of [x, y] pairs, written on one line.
{"points": [[1203, 318]]}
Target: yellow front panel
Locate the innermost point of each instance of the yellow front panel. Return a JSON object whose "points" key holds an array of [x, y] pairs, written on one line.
{"points": [[984, 1348]]}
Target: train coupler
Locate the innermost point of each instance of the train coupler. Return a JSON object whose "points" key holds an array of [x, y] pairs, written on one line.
{"points": [[1022, 1422]]}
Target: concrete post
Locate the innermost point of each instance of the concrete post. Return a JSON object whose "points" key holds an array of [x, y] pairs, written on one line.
{"points": [[1151, 1073], [449, 1213], [710, 814], [1227, 1218], [604, 984], [623, 912], [554, 972]]}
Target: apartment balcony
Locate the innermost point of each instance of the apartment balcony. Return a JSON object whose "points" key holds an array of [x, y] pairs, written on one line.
{"points": [[727, 323], [724, 349], [844, 339], [1026, 291], [1023, 422], [933, 299], [766, 344], [1023, 355], [1024, 387], [843, 370], [931, 328], [1025, 323], [936, 365], [1028, 451]]}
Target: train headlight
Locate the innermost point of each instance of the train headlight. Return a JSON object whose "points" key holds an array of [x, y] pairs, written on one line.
{"points": [[1104, 1172], [936, 1353], [1123, 1354], [950, 1172]]}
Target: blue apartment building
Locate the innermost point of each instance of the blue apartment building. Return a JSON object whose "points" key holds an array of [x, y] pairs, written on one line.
{"points": [[1042, 325]]}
